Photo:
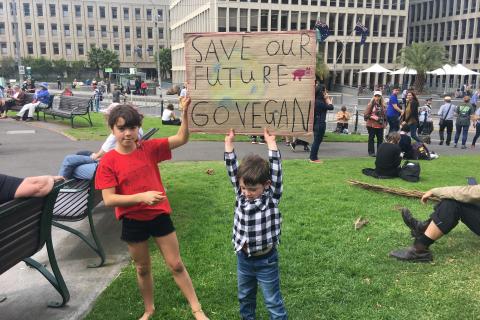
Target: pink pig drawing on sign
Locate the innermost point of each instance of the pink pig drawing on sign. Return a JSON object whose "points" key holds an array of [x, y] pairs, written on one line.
{"points": [[300, 73]]}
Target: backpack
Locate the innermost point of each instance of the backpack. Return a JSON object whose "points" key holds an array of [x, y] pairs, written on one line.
{"points": [[420, 151], [410, 171]]}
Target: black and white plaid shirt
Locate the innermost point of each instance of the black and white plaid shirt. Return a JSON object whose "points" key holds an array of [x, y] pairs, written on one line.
{"points": [[256, 223]]}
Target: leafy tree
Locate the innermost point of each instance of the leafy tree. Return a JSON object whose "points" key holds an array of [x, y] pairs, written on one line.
{"points": [[164, 57], [8, 68], [59, 66], [76, 68], [100, 59], [321, 69], [423, 57]]}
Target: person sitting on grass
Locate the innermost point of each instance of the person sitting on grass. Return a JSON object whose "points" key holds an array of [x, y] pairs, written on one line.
{"points": [[457, 203], [256, 228], [130, 181], [342, 120], [387, 163], [168, 116]]}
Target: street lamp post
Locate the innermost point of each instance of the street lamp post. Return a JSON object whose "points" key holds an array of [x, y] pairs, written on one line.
{"points": [[157, 56], [18, 59]]}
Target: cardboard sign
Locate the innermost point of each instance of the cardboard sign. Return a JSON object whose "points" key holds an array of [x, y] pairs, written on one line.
{"points": [[248, 81]]}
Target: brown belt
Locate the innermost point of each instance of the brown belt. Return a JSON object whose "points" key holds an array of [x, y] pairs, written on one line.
{"points": [[258, 253]]}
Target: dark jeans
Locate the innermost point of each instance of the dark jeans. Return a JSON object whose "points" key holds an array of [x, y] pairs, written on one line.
{"points": [[448, 212], [449, 125], [393, 124], [318, 133], [413, 132], [372, 133], [477, 134], [464, 131]]}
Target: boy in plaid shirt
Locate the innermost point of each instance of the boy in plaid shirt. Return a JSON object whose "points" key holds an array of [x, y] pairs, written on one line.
{"points": [[256, 228]]}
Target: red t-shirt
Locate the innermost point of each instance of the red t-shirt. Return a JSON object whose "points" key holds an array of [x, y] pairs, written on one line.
{"points": [[133, 173]]}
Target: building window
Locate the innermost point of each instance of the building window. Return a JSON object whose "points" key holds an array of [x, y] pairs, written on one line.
{"points": [[254, 20], [65, 10], [128, 50], [222, 19], [160, 33], [116, 48], [103, 31], [30, 47], [149, 14], [3, 48], [54, 29], [2, 27], [159, 15], [102, 12], [52, 10], [55, 48], [79, 30], [104, 46], [91, 31], [150, 51], [78, 11], [28, 29], [43, 48], [150, 33], [41, 29], [138, 31], [1, 11], [68, 49], [26, 11], [39, 10], [137, 14], [125, 14], [81, 50], [115, 31], [264, 20], [89, 11], [127, 32], [114, 13], [66, 30]]}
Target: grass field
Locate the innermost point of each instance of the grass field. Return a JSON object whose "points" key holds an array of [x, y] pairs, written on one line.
{"points": [[328, 270]]}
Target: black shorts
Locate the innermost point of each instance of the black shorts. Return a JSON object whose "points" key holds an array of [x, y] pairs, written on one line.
{"points": [[139, 231]]}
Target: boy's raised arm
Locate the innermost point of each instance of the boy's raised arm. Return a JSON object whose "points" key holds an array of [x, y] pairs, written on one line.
{"points": [[275, 164], [182, 135], [231, 160]]}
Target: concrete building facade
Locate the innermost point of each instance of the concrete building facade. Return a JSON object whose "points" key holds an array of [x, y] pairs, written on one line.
{"points": [[456, 25], [67, 29], [386, 20]]}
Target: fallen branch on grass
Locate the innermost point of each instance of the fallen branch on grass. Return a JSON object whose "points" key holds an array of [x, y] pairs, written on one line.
{"points": [[396, 191]]}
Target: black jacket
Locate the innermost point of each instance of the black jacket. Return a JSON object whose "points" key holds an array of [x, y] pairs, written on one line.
{"points": [[321, 108]]}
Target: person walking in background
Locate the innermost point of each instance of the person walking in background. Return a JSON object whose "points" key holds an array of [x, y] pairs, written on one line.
{"points": [[97, 96], [476, 125], [446, 113], [425, 126], [375, 116], [144, 88], [464, 113], [323, 103], [394, 111], [410, 116], [59, 83]]}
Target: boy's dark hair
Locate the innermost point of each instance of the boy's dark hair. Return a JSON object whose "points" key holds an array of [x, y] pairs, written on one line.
{"points": [[131, 116], [170, 106], [254, 170]]}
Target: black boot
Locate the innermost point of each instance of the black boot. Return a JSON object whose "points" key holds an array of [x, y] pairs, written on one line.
{"points": [[412, 254], [417, 227]]}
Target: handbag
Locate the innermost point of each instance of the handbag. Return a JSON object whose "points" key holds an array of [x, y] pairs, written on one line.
{"points": [[410, 171]]}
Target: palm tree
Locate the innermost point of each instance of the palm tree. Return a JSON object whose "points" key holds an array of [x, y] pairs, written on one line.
{"points": [[100, 59], [321, 69], [423, 57], [164, 57]]}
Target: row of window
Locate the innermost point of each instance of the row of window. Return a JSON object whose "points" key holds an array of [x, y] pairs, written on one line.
{"points": [[54, 30], [77, 11], [340, 24], [378, 4], [445, 31], [138, 50], [441, 8]]}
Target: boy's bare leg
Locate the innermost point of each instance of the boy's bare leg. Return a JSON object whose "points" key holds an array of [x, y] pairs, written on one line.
{"points": [[169, 248], [141, 256]]}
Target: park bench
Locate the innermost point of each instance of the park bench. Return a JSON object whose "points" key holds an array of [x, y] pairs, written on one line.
{"points": [[76, 202], [29, 99], [25, 227], [69, 107]]}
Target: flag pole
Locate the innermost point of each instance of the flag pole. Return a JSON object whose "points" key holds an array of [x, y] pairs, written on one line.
{"points": [[339, 56]]}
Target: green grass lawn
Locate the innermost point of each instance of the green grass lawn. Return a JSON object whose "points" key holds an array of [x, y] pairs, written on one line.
{"points": [[328, 270], [99, 131]]}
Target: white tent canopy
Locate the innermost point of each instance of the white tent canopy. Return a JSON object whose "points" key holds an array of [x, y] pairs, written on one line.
{"points": [[404, 70], [463, 71], [443, 71], [376, 68]]}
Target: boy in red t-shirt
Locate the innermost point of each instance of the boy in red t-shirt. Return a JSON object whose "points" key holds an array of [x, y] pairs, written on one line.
{"points": [[130, 181]]}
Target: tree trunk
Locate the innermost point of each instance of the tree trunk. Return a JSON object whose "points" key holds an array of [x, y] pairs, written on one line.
{"points": [[419, 83]]}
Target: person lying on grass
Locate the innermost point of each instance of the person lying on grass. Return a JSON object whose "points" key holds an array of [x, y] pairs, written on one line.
{"points": [[457, 203], [256, 226], [130, 181]]}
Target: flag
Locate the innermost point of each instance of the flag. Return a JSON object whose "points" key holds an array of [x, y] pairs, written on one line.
{"points": [[322, 30], [362, 31]]}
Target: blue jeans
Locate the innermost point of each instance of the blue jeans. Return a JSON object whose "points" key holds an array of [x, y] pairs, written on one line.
{"points": [[78, 166], [464, 131], [393, 124], [477, 133], [318, 133], [413, 132], [264, 271]]}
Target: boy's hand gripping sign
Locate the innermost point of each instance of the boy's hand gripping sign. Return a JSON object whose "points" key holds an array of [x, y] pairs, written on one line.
{"points": [[248, 81]]}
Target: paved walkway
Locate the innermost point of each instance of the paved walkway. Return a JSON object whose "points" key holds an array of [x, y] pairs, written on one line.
{"points": [[37, 148]]}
